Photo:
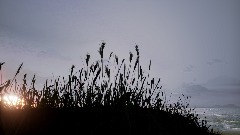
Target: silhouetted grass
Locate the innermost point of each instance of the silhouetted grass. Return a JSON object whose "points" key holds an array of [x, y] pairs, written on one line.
{"points": [[120, 98]]}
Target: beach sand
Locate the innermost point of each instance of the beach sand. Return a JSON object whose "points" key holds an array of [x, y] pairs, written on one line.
{"points": [[230, 132]]}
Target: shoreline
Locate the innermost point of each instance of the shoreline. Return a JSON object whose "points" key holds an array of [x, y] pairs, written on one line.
{"points": [[230, 132]]}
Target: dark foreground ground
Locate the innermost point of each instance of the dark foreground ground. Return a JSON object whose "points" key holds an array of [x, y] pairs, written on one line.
{"points": [[96, 121]]}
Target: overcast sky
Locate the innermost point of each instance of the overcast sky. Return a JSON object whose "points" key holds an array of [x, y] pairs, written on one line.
{"points": [[194, 45]]}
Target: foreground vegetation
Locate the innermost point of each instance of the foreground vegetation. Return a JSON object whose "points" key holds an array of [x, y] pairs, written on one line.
{"points": [[107, 96]]}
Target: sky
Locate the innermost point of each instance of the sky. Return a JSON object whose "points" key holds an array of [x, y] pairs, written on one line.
{"points": [[193, 45]]}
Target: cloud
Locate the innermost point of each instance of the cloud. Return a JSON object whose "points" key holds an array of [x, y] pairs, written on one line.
{"points": [[189, 68], [205, 96], [50, 53], [223, 81], [215, 61], [195, 89], [11, 45], [224, 84]]}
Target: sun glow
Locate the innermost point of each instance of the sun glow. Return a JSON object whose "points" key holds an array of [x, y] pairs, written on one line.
{"points": [[12, 100]]}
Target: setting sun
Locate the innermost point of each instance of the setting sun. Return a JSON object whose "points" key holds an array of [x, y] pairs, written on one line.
{"points": [[12, 100]]}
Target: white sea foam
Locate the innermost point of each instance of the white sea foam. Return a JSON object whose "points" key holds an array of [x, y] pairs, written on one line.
{"points": [[218, 115], [222, 119], [236, 129]]}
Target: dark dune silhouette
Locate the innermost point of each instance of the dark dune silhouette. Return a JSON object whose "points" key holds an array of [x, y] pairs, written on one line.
{"points": [[98, 99]]}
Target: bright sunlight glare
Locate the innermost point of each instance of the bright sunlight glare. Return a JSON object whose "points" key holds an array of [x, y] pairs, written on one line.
{"points": [[12, 100]]}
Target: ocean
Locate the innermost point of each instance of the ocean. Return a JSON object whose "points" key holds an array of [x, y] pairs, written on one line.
{"points": [[224, 120]]}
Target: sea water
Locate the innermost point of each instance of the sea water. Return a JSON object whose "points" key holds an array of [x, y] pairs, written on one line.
{"points": [[224, 120]]}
